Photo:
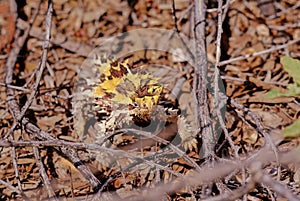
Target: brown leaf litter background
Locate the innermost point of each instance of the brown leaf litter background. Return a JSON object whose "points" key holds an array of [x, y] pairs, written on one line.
{"points": [[249, 28]]}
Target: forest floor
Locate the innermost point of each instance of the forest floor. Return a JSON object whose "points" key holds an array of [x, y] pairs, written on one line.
{"points": [[44, 153]]}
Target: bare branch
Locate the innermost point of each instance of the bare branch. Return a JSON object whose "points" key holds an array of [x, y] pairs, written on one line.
{"points": [[10, 94], [43, 174], [260, 128], [40, 69], [59, 39], [31, 128], [272, 49], [219, 170], [10, 187], [278, 187], [235, 194], [200, 80], [216, 78]]}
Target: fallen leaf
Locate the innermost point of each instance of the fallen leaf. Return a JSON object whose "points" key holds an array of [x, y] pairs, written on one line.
{"points": [[292, 66], [293, 130]]}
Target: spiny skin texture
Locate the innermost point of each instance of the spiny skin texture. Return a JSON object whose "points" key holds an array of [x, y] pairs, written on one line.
{"points": [[140, 93], [119, 106], [135, 97]]}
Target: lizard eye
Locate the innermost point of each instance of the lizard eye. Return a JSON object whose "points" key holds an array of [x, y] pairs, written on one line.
{"points": [[134, 104]]}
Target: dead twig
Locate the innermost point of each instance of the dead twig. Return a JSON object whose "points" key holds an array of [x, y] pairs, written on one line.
{"points": [[174, 16], [217, 76], [11, 60], [71, 153], [272, 49], [40, 69], [59, 39], [235, 194], [217, 108], [21, 114], [277, 187], [223, 7], [10, 187], [260, 128], [219, 170], [29, 127], [165, 142], [44, 175], [16, 87]]}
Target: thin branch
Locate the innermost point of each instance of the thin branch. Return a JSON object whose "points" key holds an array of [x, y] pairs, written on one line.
{"points": [[219, 170], [24, 109], [43, 174], [40, 68], [15, 165], [260, 128], [286, 11], [272, 49], [61, 143], [208, 174], [217, 107], [285, 26], [11, 60], [187, 10], [16, 87], [278, 187], [217, 100], [174, 16], [270, 83], [235, 194], [71, 153], [211, 10], [165, 142], [29, 127], [59, 40], [10, 187]]}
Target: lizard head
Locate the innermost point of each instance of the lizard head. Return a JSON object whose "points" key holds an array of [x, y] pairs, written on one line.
{"points": [[141, 92]]}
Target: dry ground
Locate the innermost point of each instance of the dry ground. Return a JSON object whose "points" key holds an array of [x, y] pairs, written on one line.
{"points": [[250, 162]]}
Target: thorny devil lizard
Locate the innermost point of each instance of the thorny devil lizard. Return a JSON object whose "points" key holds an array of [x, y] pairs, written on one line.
{"points": [[131, 100]]}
